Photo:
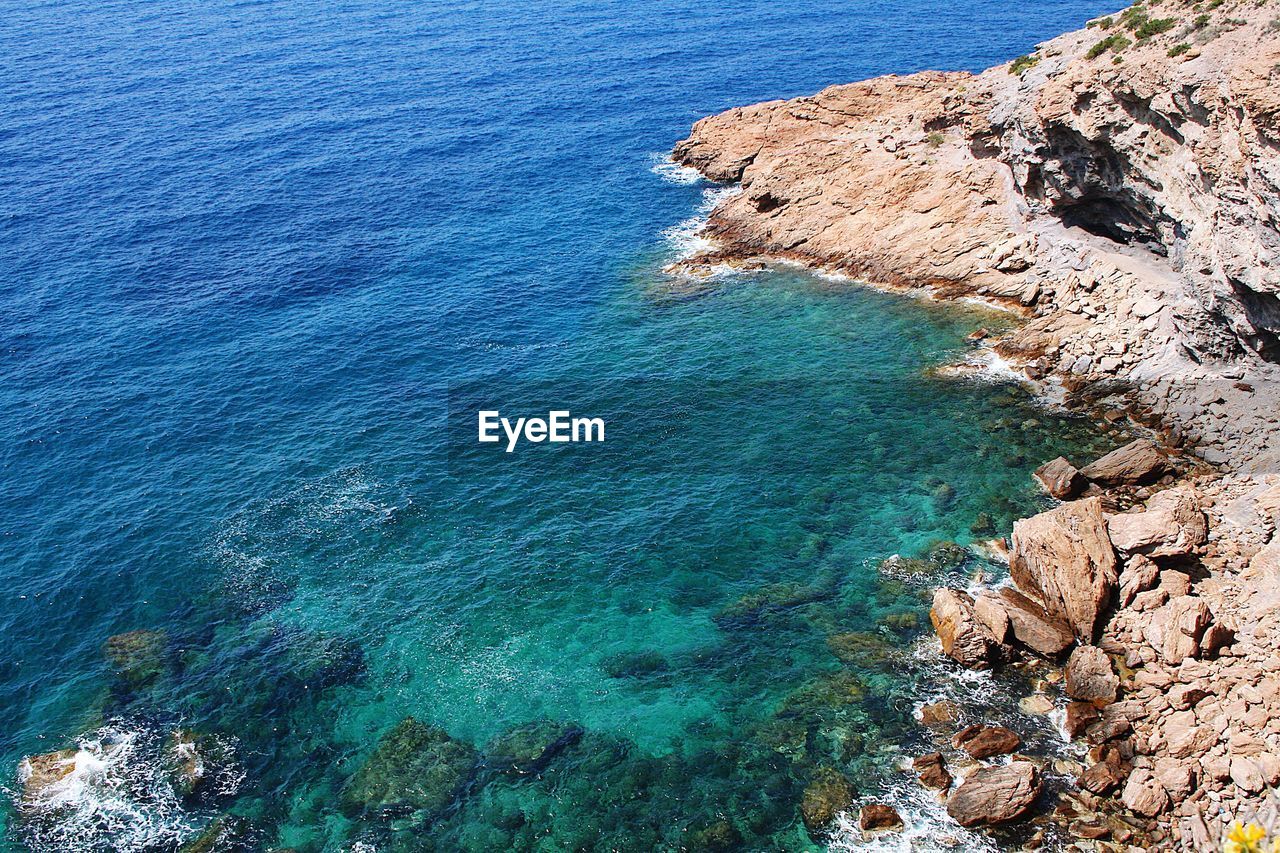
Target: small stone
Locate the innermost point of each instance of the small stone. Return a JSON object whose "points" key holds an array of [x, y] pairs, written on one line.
{"points": [[876, 816], [932, 770]]}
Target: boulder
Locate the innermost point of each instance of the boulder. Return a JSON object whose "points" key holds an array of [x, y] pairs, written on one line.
{"points": [[1103, 777], [530, 747], [1173, 525], [827, 795], [939, 713], [1143, 794], [415, 768], [1026, 621], [932, 770], [1136, 464], [985, 741], [1063, 558], [1090, 676], [965, 638], [1175, 629], [1139, 575], [995, 795], [877, 816], [1061, 479], [1080, 715]]}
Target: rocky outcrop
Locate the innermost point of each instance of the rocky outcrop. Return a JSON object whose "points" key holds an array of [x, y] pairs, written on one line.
{"points": [[965, 638], [1120, 186], [1064, 557], [995, 795]]}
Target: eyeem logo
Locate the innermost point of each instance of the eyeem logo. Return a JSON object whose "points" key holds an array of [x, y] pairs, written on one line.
{"points": [[557, 427]]}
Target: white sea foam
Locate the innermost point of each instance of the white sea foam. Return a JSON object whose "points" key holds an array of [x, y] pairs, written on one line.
{"points": [[927, 828], [672, 172], [688, 238], [118, 794]]}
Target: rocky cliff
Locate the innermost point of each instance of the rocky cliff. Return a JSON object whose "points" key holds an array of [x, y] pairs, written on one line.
{"points": [[1120, 185]]}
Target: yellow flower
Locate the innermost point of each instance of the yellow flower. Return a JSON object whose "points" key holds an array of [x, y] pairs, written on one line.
{"points": [[1244, 838]]}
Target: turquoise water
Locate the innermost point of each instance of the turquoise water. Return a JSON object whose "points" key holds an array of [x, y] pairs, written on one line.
{"points": [[260, 262]]}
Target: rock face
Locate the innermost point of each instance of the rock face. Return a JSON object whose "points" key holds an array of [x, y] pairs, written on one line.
{"points": [[965, 638], [416, 767], [1090, 677], [1065, 558], [995, 795]]}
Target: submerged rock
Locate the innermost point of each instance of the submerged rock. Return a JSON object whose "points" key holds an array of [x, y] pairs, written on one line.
{"points": [[636, 664], [416, 767], [768, 599], [995, 795], [860, 647], [225, 834], [39, 774], [1065, 559], [138, 657], [530, 747], [826, 796]]}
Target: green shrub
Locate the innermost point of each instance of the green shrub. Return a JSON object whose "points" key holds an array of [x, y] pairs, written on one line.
{"points": [[1114, 42], [1022, 63], [1179, 49], [1104, 23], [934, 139], [1200, 22], [1154, 27]]}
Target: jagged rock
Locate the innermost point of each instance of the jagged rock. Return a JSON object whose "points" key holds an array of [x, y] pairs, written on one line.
{"points": [[530, 747], [1137, 463], [1144, 795], [1064, 558], [1175, 629], [1090, 676], [826, 796], [415, 767], [877, 816], [965, 638], [1024, 620], [1173, 525], [932, 770], [1139, 575], [1061, 479], [1080, 715], [995, 795], [985, 741]]}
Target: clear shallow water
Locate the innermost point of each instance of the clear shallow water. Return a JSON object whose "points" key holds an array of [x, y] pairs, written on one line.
{"points": [[252, 253]]}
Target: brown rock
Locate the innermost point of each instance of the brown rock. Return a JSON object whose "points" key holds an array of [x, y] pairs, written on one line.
{"points": [[1144, 795], [1137, 463], [1080, 715], [1246, 775], [1103, 777], [939, 713], [1089, 831], [1027, 621], [995, 795], [1172, 525], [985, 741], [1090, 677], [1064, 558], [827, 795], [965, 638], [1061, 479], [932, 770], [876, 816], [1139, 575], [1174, 630]]}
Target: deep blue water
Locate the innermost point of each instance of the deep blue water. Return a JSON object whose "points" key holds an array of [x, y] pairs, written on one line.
{"points": [[251, 253]]}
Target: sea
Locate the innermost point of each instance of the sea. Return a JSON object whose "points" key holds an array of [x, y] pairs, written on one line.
{"points": [[261, 264]]}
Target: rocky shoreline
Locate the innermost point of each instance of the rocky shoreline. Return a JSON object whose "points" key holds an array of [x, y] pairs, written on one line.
{"points": [[1120, 188]]}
